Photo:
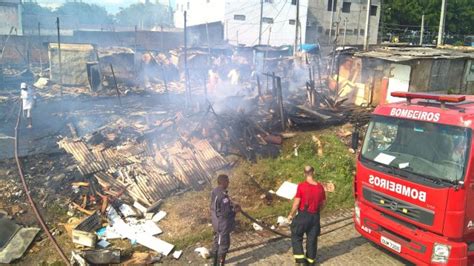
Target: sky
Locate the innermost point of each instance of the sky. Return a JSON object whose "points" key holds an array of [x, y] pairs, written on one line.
{"points": [[112, 6]]}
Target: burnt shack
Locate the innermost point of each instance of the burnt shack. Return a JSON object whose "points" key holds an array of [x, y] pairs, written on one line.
{"points": [[368, 78]]}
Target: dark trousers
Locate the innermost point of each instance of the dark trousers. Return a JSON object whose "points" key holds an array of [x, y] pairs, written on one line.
{"points": [[309, 224], [221, 246]]}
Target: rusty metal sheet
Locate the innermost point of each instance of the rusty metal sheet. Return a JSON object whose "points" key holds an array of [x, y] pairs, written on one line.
{"points": [[88, 163]]}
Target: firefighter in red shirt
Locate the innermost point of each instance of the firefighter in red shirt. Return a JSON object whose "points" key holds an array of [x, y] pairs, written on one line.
{"points": [[309, 200]]}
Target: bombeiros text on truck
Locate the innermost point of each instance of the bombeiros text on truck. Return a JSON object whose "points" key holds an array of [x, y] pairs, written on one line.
{"points": [[414, 184]]}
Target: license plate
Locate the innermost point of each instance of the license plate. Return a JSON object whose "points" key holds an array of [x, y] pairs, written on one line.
{"points": [[391, 244]]}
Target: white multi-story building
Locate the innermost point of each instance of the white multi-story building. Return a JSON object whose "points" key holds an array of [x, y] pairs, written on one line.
{"points": [[346, 14], [10, 16], [241, 19]]}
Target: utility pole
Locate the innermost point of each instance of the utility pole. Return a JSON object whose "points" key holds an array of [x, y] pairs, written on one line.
{"points": [[422, 30], [59, 56], [186, 73], [261, 22], [344, 36], [297, 22], [367, 22], [333, 6], [442, 19], [39, 42]]}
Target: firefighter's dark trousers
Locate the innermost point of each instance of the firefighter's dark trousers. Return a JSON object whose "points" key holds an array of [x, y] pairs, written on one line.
{"points": [[221, 245], [309, 224]]}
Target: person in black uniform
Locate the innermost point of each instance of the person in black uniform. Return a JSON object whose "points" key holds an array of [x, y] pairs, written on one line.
{"points": [[223, 219]]}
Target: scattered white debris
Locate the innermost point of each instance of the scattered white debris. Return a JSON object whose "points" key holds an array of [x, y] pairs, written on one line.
{"points": [[282, 221], [203, 252], [257, 227], [139, 207], [149, 215], [138, 231], [177, 254], [287, 190], [103, 243], [157, 217], [127, 211], [111, 233], [41, 83], [144, 227], [155, 244], [273, 227]]}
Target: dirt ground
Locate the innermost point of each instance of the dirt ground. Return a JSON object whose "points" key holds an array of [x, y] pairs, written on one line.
{"points": [[50, 174]]}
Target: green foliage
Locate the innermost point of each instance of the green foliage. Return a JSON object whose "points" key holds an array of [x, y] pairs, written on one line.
{"points": [[74, 15], [400, 14], [198, 235], [336, 164], [147, 15], [32, 14], [83, 13]]}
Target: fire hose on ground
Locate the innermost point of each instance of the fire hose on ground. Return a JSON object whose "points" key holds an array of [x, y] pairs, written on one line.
{"points": [[39, 218], [283, 235]]}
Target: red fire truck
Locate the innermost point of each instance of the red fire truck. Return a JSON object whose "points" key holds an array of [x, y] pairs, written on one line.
{"points": [[414, 185]]}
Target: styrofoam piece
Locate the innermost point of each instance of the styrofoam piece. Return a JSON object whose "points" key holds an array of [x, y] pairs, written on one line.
{"points": [[287, 190]]}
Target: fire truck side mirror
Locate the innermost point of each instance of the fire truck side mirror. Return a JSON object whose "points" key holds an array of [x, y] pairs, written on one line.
{"points": [[355, 140], [459, 185]]}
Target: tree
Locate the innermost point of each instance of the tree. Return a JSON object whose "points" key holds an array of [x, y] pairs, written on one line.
{"points": [[400, 16], [32, 14], [77, 14], [146, 15]]}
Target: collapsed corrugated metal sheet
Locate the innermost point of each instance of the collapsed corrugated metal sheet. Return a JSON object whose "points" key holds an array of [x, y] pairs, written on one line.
{"points": [[88, 163], [147, 173]]}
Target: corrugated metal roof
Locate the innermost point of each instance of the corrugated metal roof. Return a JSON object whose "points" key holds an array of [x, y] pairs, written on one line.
{"points": [[400, 54], [147, 173], [88, 163], [72, 47]]}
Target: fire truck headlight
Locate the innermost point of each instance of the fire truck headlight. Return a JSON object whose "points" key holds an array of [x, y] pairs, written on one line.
{"points": [[440, 253], [357, 212]]}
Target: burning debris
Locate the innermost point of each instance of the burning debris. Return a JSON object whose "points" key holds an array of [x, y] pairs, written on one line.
{"points": [[217, 104]]}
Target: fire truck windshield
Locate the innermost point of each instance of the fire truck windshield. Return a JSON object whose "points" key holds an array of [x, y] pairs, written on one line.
{"points": [[417, 149]]}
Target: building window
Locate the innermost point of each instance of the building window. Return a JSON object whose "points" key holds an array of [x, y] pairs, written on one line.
{"points": [[320, 29], [239, 17], [327, 32], [341, 31], [292, 22], [293, 2], [356, 31], [349, 32], [373, 10], [267, 20], [361, 31], [332, 5], [346, 7], [268, 1]]}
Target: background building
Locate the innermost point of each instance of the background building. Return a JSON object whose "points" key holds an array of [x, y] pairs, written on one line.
{"points": [[241, 19], [352, 13], [10, 16]]}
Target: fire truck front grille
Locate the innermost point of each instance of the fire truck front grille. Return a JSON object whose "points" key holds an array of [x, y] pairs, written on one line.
{"points": [[399, 207]]}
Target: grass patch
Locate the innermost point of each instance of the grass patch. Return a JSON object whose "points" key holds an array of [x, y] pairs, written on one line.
{"points": [[202, 236], [188, 214], [336, 164]]}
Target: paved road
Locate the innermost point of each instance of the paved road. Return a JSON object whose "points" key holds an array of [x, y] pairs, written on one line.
{"points": [[339, 244]]}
